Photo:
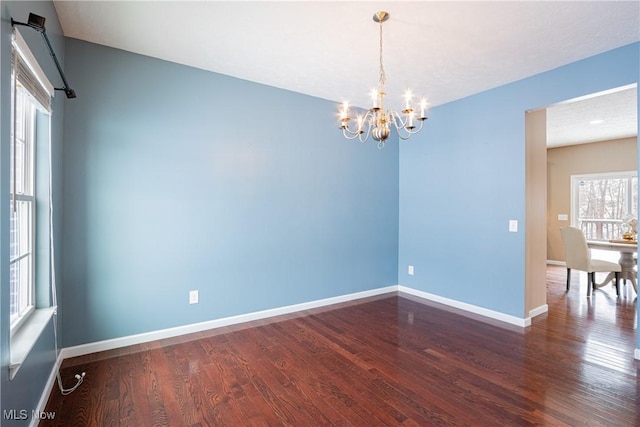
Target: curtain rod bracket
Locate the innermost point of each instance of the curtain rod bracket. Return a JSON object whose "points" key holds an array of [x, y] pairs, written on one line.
{"points": [[37, 23]]}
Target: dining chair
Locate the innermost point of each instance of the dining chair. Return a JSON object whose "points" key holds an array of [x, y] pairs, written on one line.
{"points": [[578, 257]]}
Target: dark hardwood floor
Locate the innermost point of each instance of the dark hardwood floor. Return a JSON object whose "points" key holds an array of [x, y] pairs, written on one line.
{"points": [[388, 360]]}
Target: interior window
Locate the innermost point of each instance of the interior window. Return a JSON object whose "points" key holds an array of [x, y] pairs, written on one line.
{"points": [[602, 203]]}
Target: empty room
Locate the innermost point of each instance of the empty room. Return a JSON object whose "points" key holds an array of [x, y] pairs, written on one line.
{"points": [[319, 213]]}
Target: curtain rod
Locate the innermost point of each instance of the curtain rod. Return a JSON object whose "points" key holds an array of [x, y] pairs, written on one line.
{"points": [[37, 23]]}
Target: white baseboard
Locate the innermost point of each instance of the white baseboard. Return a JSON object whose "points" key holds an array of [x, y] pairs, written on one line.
{"points": [[42, 403], [496, 315], [94, 347], [636, 354], [538, 311]]}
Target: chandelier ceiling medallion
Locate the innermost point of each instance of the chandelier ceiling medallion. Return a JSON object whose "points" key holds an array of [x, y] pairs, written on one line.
{"points": [[377, 121]]}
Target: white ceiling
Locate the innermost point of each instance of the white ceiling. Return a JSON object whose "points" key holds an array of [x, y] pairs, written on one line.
{"points": [[601, 117], [443, 50]]}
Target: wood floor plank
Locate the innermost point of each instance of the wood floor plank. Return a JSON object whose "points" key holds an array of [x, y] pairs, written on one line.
{"points": [[386, 360], [129, 413], [154, 388]]}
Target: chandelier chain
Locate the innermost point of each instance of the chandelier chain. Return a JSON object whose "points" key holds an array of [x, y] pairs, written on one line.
{"points": [[383, 77]]}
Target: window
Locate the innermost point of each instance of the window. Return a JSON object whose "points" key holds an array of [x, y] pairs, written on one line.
{"points": [[601, 203], [22, 230], [31, 103]]}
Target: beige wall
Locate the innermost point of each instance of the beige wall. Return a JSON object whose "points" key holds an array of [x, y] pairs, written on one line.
{"points": [[536, 212], [562, 162]]}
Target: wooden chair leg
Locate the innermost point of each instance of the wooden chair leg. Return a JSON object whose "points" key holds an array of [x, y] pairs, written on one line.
{"points": [[590, 281], [568, 278], [617, 283]]}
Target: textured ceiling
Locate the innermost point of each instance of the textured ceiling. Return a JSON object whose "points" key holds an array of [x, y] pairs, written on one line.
{"points": [[605, 116], [443, 50]]}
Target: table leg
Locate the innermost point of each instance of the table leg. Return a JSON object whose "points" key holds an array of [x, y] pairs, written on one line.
{"points": [[606, 280], [628, 273]]}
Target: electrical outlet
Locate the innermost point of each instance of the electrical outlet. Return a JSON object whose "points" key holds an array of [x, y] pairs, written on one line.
{"points": [[513, 225], [410, 270], [193, 297]]}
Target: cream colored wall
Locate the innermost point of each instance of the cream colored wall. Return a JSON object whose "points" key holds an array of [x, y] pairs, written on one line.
{"points": [[562, 162], [536, 184]]}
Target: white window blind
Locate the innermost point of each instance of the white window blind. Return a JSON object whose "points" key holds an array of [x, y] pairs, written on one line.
{"points": [[29, 74]]}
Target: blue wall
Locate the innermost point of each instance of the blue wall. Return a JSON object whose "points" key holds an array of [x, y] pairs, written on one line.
{"points": [[179, 179], [24, 391], [464, 180]]}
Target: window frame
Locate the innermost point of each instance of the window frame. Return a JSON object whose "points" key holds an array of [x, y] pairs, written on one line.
{"points": [[31, 88], [575, 182]]}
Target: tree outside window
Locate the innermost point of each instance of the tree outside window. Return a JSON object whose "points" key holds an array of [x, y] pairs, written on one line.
{"points": [[603, 202]]}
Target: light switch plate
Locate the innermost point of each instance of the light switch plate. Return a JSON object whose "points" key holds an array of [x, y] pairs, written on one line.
{"points": [[193, 297], [513, 225]]}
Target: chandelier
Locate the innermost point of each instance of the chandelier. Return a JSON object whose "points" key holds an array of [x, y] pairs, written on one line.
{"points": [[377, 121]]}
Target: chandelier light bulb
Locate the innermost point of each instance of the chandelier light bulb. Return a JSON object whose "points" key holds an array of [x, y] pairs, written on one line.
{"points": [[344, 111], [377, 121], [374, 97], [407, 97]]}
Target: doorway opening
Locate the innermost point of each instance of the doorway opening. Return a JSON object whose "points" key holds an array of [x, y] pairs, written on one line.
{"points": [[587, 135]]}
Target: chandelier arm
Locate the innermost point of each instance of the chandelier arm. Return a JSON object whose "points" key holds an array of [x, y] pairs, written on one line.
{"points": [[401, 125], [416, 130], [348, 134], [364, 137], [363, 133], [410, 132], [404, 138], [396, 119], [367, 116]]}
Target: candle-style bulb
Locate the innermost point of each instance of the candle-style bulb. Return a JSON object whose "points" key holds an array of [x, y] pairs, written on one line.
{"points": [[344, 112], [407, 97], [374, 98], [423, 107], [410, 119]]}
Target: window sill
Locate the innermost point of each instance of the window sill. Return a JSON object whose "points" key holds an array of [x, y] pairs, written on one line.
{"points": [[25, 338]]}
